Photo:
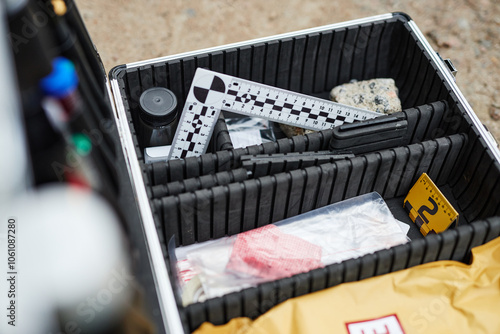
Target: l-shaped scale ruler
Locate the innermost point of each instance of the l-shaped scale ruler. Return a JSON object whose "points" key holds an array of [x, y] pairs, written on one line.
{"points": [[212, 92]]}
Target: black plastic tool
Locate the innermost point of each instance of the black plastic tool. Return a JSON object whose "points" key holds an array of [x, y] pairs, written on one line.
{"points": [[270, 164], [402, 128]]}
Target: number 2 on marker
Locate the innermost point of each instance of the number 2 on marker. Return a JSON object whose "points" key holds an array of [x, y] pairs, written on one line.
{"points": [[424, 208]]}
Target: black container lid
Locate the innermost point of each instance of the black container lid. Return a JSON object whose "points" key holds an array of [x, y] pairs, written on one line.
{"points": [[158, 106]]}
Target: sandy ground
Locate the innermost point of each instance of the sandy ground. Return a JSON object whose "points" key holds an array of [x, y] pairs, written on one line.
{"points": [[466, 31]]}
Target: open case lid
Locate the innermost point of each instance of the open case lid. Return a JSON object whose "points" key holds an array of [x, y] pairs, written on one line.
{"points": [[65, 34]]}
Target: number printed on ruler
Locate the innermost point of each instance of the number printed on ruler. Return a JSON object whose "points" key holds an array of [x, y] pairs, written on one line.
{"points": [[287, 107], [212, 92]]}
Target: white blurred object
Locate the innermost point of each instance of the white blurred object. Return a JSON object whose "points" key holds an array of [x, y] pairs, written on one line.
{"points": [[72, 258], [13, 165]]}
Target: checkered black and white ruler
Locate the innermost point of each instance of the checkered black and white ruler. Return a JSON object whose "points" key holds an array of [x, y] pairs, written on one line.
{"points": [[212, 92]]}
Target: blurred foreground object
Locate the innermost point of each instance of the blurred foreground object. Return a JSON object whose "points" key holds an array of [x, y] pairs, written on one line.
{"points": [[73, 262], [13, 167]]}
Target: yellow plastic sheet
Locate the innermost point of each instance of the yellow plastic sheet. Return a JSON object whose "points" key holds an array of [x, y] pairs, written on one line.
{"points": [[438, 297]]}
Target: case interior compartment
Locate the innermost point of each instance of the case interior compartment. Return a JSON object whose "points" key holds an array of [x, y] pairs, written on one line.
{"points": [[423, 124], [452, 152], [190, 217]]}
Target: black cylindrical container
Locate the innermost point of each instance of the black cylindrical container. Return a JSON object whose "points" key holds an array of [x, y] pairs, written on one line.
{"points": [[157, 117]]}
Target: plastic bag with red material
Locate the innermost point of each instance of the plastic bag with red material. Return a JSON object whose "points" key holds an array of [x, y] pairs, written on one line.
{"points": [[331, 234]]}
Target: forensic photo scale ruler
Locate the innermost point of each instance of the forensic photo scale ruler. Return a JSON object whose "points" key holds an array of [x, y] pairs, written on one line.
{"points": [[212, 92]]}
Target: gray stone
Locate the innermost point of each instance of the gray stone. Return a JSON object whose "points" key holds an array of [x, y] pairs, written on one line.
{"points": [[380, 95], [290, 130]]}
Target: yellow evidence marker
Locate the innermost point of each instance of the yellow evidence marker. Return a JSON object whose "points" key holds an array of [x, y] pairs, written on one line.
{"points": [[428, 207]]}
